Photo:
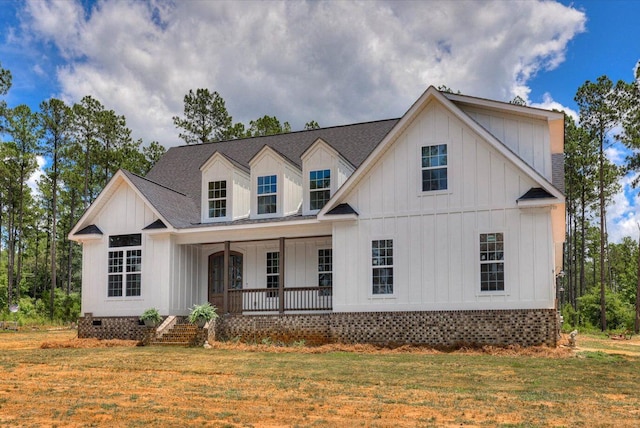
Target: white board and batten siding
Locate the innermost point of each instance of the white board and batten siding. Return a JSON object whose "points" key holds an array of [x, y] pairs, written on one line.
{"points": [[125, 213], [436, 260], [527, 137], [189, 287]]}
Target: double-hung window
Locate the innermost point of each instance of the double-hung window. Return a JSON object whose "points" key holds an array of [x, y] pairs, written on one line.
{"points": [[124, 266], [491, 262], [267, 194], [325, 271], [434, 167], [217, 198], [382, 266], [273, 273], [319, 188]]}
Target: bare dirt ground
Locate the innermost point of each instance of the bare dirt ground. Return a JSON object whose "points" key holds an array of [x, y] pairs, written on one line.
{"points": [[51, 378]]}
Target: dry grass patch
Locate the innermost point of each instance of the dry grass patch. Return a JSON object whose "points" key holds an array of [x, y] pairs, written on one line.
{"points": [[239, 385]]}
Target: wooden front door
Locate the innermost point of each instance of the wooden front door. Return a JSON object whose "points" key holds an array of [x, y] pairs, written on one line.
{"points": [[216, 280]]}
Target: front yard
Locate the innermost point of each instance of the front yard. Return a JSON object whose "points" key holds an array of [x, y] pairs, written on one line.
{"points": [[234, 385]]}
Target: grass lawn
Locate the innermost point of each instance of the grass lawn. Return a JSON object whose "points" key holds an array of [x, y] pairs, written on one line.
{"points": [[265, 386]]}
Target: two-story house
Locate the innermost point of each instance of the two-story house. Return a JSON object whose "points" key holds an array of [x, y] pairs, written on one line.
{"points": [[444, 226]]}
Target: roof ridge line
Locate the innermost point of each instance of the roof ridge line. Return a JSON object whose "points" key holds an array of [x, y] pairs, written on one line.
{"points": [[287, 133]]}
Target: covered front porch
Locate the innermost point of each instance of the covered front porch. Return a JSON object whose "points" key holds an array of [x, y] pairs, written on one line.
{"points": [[230, 290]]}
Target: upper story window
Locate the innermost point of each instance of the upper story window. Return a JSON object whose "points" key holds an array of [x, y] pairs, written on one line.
{"points": [[267, 194], [491, 262], [125, 266], [382, 266], [217, 198], [319, 188], [434, 167]]}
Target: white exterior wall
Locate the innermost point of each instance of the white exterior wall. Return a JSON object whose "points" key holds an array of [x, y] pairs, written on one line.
{"points": [[529, 138], [241, 201], [188, 286], [125, 213], [292, 190], [436, 234]]}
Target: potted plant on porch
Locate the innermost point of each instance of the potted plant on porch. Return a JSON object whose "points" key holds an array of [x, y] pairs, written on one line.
{"points": [[202, 314], [151, 317]]}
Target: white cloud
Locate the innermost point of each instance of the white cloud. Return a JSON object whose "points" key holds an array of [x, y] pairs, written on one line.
{"points": [[550, 104], [32, 182], [623, 215], [333, 62]]}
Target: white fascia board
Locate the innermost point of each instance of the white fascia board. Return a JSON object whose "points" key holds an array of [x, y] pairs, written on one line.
{"points": [[254, 232], [87, 237], [541, 202], [258, 225], [532, 112], [337, 217]]}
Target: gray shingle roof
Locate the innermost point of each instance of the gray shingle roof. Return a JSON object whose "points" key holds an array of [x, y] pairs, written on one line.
{"points": [[177, 208], [92, 229], [179, 168], [536, 193]]}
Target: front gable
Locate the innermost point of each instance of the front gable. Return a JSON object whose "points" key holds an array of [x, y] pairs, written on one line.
{"points": [[478, 162], [120, 208]]}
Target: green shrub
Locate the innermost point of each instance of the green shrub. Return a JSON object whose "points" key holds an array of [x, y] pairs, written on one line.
{"points": [[619, 314]]}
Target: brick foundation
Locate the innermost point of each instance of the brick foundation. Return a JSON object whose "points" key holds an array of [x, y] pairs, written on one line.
{"points": [[436, 328], [127, 328]]}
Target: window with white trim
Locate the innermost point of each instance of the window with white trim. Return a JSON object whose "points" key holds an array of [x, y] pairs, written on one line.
{"points": [[267, 194], [273, 273], [125, 266], [491, 262], [319, 188], [382, 266], [217, 198], [434, 167], [325, 271]]}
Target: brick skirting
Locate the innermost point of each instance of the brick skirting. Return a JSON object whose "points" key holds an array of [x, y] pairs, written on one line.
{"points": [[436, 328], [127, 328]]}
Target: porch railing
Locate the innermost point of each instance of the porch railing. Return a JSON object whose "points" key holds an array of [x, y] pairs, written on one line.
{"points": [[268, 299]]}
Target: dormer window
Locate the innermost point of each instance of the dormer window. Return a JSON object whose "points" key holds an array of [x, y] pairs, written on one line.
{"points": [[319, 188], [267, 194], [217, 198]]}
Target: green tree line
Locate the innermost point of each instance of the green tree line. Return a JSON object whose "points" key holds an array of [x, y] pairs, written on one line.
{"points": [[601, 288], [83, 146]]}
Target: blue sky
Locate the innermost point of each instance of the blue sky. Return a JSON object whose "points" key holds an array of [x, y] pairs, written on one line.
{"points": [[332, 62]]}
